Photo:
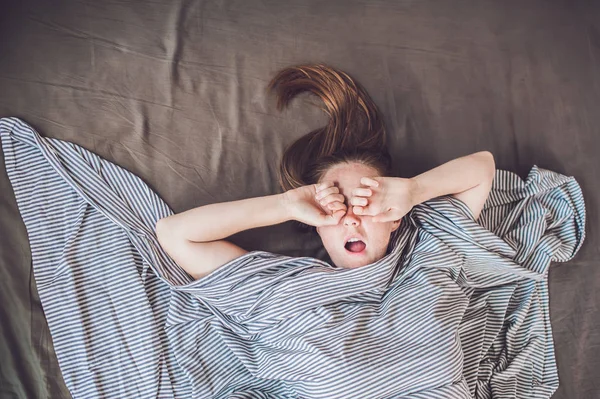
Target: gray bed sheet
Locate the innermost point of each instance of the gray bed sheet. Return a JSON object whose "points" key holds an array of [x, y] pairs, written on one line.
{"points": [[174, 91]]}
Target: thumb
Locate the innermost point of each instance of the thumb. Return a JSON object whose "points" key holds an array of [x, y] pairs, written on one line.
{"points": [[369, 210], [389, 216], [334, 218]]}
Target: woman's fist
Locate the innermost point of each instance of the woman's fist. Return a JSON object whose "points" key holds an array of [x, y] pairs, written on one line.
{"points": [[317, 205], [384, 198]]}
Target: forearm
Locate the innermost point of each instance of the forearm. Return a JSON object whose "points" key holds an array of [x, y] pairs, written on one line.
{"points": [[221, 220], [454, 176]]}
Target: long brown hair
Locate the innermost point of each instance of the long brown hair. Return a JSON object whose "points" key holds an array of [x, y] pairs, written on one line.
{"points": [[354, 132]]}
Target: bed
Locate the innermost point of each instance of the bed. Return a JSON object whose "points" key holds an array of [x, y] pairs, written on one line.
{"points": [[175, 93]]}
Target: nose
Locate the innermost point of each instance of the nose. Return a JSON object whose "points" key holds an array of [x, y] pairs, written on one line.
{"points": [[350, 219]]}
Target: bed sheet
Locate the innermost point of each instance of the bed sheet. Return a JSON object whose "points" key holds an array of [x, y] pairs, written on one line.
{"points": [[175, 93]]}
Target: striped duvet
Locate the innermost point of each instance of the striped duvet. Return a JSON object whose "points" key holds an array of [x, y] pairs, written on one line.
{"points": [[457, 309]]}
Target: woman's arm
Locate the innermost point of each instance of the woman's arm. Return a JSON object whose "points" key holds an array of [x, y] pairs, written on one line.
{"points": [[455, 176], [217, 221], [468, 178], [195, 238]]}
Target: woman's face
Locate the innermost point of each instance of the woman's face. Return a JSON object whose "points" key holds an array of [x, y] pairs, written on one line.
{"points": [[376, 235]]}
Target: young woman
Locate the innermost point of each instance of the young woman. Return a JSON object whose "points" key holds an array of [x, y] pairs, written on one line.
{"points": [[335, 179]]}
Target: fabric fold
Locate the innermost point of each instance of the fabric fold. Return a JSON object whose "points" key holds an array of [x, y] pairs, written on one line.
{"points": [[458, 308]]}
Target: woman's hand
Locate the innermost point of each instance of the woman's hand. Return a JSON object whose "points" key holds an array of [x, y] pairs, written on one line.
{"points": [[384, 198], [316, 204]]}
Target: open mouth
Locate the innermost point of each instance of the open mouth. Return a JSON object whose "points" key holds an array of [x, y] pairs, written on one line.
{"points": [[355, 246]]}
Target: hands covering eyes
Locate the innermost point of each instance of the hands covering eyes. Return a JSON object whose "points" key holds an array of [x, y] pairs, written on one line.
{"points": [[384, 198]]}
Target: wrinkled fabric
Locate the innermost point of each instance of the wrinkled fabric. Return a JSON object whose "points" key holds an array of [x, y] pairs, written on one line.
{"points": [[458, 308]]}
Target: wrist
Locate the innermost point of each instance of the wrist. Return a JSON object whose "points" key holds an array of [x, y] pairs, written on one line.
{"points": [[417, 194], [285, 205]]}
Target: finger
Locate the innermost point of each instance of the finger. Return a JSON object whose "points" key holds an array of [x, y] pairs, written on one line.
{"points": [[359, 201], [337, 216], [362, 192], [336, 206], [367, 181], [386, 216], [364, 210], [334, 218], [325, 192], [331, 198], [323, 185]]}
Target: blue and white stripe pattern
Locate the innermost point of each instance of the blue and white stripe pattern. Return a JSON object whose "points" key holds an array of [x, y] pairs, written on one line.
{"points": [[457, 309]]}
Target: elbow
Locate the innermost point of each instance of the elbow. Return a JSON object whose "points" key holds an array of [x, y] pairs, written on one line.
{"points": [[488, 159], [166, 232], [159, 226], [492, 163], [161, 229]]}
